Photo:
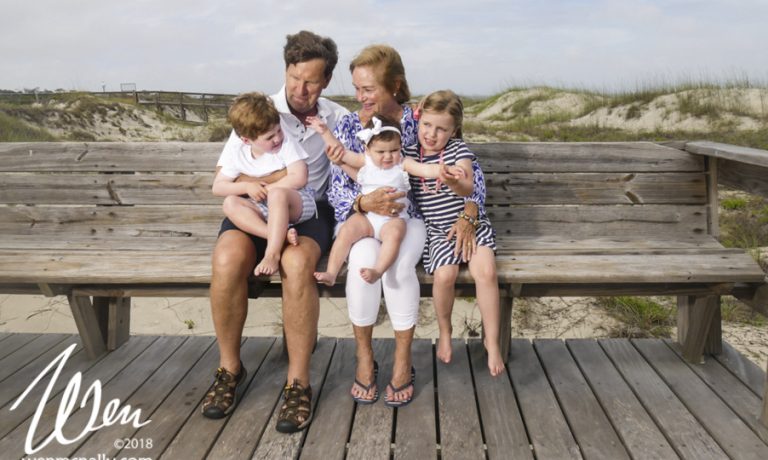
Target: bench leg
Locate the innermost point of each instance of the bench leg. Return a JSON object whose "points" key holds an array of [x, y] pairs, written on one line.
{"points": [[698, 326], [103, 323], [91, 324], [764, 415], [505, 324]]}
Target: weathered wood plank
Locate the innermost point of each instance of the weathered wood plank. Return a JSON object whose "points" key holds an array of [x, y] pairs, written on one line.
{"points": [[687, 436], [117, 243], [547, 428], [13, 342], [733, 436], [623, 157], [744, 369], [103, 370], [108, 156], [108, 221], [640, 435], [503, 426], [184, 402], [589, 424], [746, 177], [122, 386], [91, 321], [460, 433], [653, 221], [278, 445], [747, 155], [332, 422], [198, 434], [162, 268], [514, 188], [26, 354], [733, 392], [371, 435], [416, 429], [148, 396], [118, 324]]}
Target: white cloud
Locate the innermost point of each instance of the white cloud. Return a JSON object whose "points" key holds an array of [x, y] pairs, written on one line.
{"points": [[473, 47]]}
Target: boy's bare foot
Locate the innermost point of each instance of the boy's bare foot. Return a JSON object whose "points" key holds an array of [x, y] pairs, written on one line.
{"points": [[326, 278], [268, 265], [444, 348], [370, 275], [292, 237]]}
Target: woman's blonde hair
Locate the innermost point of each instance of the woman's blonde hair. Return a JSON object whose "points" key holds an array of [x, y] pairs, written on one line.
{"points": [[388, 68], [445, 101]]}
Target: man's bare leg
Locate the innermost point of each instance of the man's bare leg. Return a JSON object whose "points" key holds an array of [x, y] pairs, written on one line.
{"points": [[301, 306], [233, 259]]}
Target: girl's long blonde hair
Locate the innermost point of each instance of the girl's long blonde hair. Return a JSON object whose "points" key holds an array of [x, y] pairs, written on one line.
{"points": [[445, 101]]}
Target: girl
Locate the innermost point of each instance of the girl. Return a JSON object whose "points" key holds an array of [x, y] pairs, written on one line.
{"points": [[380, 166], [449, 212]]}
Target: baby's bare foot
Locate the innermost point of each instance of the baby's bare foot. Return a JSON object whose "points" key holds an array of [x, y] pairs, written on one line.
{"points": [[268, 265], [326, 278], [292, 237], [444, 348], [370, 275]]}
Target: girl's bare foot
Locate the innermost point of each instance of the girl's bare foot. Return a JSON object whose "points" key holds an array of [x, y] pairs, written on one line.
{"points": [[369, 275], [326, 278], [268, 265], [495, 361], [292, 237], [444, 348]]}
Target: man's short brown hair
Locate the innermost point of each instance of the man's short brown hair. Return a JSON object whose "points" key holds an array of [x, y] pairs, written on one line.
{"points": [[252, 114], [305, 46]]}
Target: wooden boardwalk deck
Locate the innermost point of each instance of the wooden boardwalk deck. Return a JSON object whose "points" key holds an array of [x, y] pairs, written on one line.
{"points": [[609, 399]]}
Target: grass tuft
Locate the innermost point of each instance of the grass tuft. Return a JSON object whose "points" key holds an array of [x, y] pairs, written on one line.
{"points": [[639, 317]]}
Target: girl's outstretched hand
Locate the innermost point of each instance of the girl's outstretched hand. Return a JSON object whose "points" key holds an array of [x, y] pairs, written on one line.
{"points": [[450, 174]]}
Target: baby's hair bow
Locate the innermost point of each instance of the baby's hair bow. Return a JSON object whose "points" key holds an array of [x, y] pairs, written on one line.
{"points": [[367, 134]]}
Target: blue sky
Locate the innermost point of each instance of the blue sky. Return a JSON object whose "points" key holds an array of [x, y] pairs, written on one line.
{"points": [[475, 47]]}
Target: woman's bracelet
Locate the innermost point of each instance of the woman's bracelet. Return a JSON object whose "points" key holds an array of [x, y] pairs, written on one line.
{"points": [[474, 221], [356, 204]]}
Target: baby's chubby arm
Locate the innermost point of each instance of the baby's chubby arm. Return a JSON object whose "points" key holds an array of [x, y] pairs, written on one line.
{"points": [[334, 148]]}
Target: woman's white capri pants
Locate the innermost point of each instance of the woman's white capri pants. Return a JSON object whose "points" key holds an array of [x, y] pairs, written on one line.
{"points": [[400, 284]]}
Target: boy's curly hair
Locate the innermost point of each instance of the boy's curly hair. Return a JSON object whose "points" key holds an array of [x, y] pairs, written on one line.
{"points": [[252, 114]]}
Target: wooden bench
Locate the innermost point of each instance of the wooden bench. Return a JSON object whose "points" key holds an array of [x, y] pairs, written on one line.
{"points": [[104, 222]]}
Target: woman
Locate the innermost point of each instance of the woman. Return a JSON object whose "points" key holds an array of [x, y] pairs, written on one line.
{"points": [[380, 86]]}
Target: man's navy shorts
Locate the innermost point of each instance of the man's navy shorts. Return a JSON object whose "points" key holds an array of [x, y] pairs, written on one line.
{"points": [[319, 228]]}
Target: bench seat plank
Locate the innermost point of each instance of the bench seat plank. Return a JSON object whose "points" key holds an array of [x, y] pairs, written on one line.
{"points": [[159, 267]]}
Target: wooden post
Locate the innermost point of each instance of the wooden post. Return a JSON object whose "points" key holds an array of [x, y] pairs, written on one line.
{"points": [[118, 328], [181, 107], [698, 326], [764, 415], [205, 110], [506, 299], [713, 205], [90, 323]]}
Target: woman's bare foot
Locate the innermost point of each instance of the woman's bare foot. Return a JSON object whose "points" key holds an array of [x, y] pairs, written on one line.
{"points": [[268, 265], [444, 348], [292, 237], [402, 381], [326, 278], [370, 275], [364, 388]]}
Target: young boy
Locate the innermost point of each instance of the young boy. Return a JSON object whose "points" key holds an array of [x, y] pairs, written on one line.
{"points": [[262, 209]]}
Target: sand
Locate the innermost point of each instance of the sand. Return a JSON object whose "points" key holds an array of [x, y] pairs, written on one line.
{"points": [[573, 317]]}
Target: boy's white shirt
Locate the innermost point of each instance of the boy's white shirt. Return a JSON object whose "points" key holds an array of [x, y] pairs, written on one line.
{"points": [[312, 143], [237, 159]]}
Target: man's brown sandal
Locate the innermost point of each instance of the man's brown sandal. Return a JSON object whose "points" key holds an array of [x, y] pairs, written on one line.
{"points": [[296, 412], [223, 395]]}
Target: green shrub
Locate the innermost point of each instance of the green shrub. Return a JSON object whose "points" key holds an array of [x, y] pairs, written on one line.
{"points": [[639, 317]]}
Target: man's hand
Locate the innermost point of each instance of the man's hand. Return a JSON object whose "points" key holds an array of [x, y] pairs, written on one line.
{"points": [[383, 201], [274, 177], [257, 190]]}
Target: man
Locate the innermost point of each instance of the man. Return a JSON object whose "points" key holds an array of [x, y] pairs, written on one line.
{"points": [[309, 63]]}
